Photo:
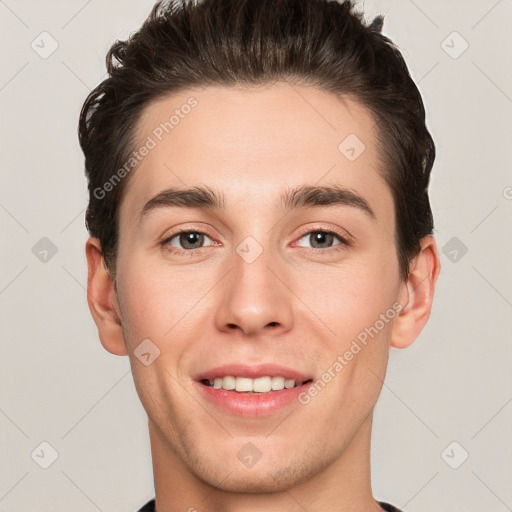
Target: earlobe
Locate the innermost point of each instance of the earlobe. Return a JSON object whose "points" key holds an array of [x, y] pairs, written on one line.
{"points": [[102, 300], [417, 294]]}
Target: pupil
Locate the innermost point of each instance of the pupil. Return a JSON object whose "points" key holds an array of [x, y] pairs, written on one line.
{"points": [[318, 236], [187, 238]]}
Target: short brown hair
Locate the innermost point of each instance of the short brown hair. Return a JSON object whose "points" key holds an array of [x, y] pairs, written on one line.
{"points": [[196, 43]]}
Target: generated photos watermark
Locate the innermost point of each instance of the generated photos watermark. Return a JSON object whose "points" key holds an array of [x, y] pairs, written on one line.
{"points": [[157, 135], [356, 346]]}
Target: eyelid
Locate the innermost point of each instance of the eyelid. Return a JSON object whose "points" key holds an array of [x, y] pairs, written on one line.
{"points": [[186, 228], [343, 235], [188, 231], [167, 239]]}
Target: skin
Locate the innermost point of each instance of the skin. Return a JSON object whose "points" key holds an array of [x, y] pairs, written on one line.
{"points": [[212, 307]]}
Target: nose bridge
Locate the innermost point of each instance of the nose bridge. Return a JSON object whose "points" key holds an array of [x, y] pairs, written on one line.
{"points": [[252, 262], [253, 297]]}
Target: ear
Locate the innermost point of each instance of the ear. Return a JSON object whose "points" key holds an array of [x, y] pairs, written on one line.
{"points": [[416, 294], [102, 300]]}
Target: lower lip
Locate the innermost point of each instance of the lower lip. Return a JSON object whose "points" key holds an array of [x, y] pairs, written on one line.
{"points": [[243, 404]]}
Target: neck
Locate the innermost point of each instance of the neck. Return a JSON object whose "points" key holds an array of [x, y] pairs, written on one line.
{"points": [[343, 486]]}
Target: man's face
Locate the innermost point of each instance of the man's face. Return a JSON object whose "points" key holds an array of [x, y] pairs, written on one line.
{"points": [[256, 283]]}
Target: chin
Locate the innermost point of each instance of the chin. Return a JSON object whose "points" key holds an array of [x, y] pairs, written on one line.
{"points": [[250, 481], [266, 476]]}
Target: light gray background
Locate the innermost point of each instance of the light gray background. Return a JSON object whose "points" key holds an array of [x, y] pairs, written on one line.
{"points": [[60, 386]]}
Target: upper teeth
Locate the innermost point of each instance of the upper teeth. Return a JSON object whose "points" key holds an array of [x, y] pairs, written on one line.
{"points": [[260, 385]]}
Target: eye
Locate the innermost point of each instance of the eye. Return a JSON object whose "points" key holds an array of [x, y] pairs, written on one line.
{"points": [[322, 239], [185, 241]]}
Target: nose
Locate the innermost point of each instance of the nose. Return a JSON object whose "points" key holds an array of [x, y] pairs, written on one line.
{"points": [[254, 298]]}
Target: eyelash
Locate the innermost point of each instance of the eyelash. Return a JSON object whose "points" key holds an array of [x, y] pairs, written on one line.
{"points": [[344, 243]]}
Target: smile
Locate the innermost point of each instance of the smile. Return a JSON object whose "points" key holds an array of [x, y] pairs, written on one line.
{"points": [[260, 390], [265, 384]]}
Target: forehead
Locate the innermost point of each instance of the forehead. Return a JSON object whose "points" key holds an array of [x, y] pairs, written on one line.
{"points": [[252, 142]]}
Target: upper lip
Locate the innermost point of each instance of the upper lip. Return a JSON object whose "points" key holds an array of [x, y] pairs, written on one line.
{"points": [[253, 372]]}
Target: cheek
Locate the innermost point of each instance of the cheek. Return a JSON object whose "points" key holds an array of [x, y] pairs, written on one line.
{"points": [[356, 303], [155, 297], [145, 294], [352, 298]]}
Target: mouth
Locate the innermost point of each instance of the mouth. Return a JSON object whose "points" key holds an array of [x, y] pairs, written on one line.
{"points": [[261, 390], [258, 386]]}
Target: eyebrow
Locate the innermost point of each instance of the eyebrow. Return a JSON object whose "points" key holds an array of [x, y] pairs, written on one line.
{"points": [[304, 196]]}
